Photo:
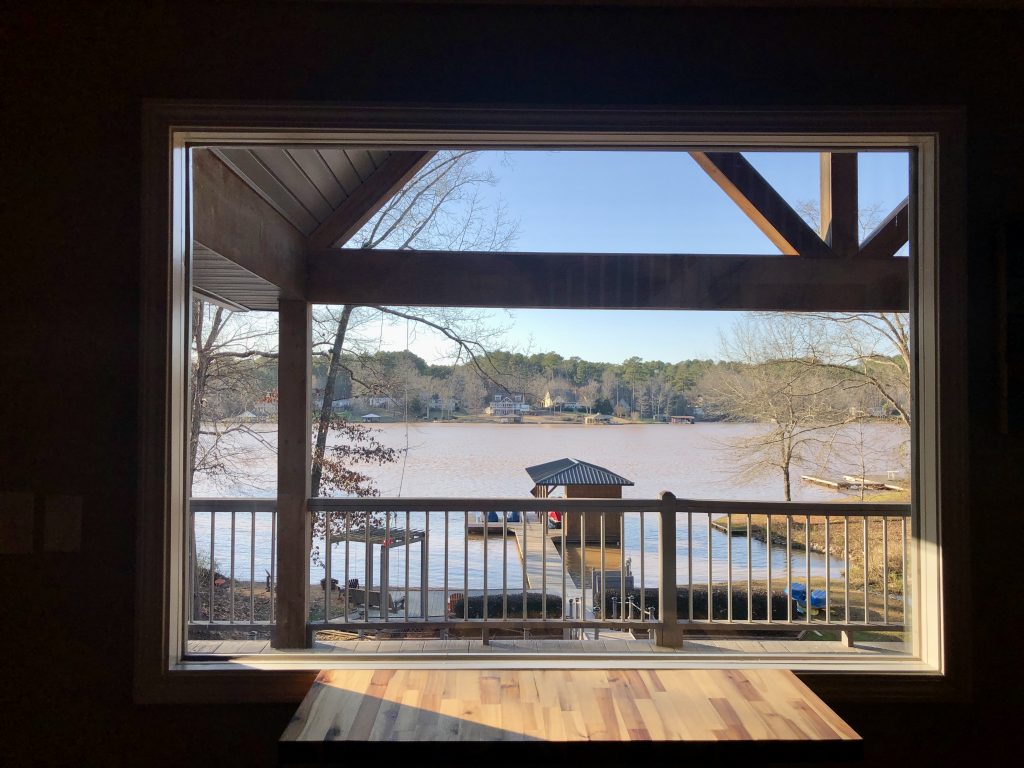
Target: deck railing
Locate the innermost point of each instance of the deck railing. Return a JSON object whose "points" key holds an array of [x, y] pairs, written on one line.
{"points": [[232, 556], [668, 565]]}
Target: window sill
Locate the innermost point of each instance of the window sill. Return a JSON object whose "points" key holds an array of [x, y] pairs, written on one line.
{"points": [[285, 677]]}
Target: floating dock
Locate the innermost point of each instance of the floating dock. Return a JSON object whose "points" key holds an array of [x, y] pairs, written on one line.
{"points": [[856, 482], [543, 563], [835, 485]]}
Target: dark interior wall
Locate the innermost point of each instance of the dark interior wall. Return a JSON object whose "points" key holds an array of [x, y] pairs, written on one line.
{"points": [[73, 83]]}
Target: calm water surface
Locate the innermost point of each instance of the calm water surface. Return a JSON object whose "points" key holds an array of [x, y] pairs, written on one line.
{"points": [[489, 460]]}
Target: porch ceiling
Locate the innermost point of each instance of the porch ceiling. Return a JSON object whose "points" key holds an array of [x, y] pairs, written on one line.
{"points": [[223, 281], [258, 211], [305, 185]]}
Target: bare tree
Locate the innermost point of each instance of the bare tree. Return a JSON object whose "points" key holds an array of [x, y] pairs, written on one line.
{"points": [[794, 403], [441, 207], [867, 350], [588, 394], [870, 349], [232, 375]]}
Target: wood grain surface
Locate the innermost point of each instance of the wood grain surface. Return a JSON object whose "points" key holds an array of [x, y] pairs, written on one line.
{"points": [[761, 706]]}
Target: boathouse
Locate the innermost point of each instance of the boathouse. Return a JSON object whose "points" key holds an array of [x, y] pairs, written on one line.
{"points": [[581, 480]]}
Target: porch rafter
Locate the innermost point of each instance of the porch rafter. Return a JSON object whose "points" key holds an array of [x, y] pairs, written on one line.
{"points": [[762, 204], [889, 236]]}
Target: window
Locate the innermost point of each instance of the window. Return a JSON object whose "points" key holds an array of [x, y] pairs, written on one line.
{"points": [[650, 280]]}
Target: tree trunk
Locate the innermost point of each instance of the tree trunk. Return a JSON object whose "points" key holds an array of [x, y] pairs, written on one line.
{"points": [[324, 423]]}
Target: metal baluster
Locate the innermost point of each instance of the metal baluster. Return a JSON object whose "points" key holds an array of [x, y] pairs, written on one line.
{"points": [[728, 566], [604, 586], [328, 584], [385, 570], [789, 568], [486, 526], [231, 572], [828, 571], [846, 569], [504, 565], [583, 566], [522, 518], [405, 604], [193, 568], [885, 570], [710, 571], [544, 541], [750, 568], [447, 534], [273, 566], [903, 555], [465, 568], [689, 564], [565, 556], [768, 564], [622, 566], [252, 568], [867, 609], [348, 534], [807, 563], [425, 567], [213, 559], [643, 582], [369, 572]]}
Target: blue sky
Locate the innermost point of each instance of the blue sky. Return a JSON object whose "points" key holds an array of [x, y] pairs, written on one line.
{"points": [[651, 202]]}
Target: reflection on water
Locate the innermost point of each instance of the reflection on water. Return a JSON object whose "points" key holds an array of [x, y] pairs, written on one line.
{"points": [[488, 460]]}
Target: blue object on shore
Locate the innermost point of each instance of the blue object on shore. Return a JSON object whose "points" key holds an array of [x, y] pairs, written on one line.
{"points": [[512, 517], [492, 517], [798, 592]]}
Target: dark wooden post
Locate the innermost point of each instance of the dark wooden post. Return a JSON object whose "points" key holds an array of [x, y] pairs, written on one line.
{"points": [[839, 226], [668, 634], [293, 468]]}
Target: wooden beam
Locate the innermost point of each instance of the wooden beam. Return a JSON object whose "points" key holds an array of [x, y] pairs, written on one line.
{"points": [[228, 217], [367, 199], [839, 223], [605, 280], [762, 204], [889, 236], [293, 470]]}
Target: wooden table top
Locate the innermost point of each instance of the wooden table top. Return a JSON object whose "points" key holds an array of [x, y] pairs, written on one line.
{"points": [[752, 706]]}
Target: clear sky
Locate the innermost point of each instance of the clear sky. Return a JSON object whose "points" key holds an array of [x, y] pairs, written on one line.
{"points": [[641, 202]]}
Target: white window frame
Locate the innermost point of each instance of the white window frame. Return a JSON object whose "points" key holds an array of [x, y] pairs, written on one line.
{"points": [[935, 140]]}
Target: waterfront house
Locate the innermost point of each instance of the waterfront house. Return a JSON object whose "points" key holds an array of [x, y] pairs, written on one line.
{"points": [[508, 405]]}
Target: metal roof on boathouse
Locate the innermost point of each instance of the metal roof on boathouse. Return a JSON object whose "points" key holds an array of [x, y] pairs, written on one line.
{"points": [[574, 472]]}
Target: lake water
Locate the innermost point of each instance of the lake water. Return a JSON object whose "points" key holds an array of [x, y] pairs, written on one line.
{"points": [[489, 460]]}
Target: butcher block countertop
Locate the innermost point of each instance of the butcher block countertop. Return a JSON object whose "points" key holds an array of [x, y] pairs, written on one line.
{"points": [[766, 712]]}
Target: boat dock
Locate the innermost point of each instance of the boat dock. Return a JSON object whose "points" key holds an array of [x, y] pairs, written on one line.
{"points": [[858, 482], [543, 562], [835, 485]]}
